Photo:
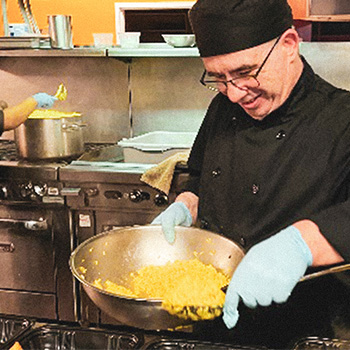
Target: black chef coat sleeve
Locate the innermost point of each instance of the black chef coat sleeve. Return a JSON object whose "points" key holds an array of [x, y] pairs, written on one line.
{"points": [[334, 220], [1, 122], [333, 223], [192, 184]]}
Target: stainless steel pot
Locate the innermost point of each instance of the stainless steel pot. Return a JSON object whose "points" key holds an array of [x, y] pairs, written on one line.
{"points": [[41, 139], [114, 254]]}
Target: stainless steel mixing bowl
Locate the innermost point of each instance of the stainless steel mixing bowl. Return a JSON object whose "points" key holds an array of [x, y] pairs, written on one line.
{"points": [[114, 254]]}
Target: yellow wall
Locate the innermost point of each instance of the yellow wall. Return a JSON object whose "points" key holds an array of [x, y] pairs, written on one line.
{"points": [[88, 16], [299, 8]]}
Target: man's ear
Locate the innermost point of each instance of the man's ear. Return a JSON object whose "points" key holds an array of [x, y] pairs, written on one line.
{"points": [[290, 42]]}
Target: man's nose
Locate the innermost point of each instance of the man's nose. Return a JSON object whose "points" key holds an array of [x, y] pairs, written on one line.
{"points": [[234, 93]]}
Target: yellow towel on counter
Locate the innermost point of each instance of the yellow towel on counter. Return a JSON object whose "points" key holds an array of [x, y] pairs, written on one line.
{"points": [[161, 175]]}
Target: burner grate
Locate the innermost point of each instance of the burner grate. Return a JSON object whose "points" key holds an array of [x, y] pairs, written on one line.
{"points": [[8, 150], [91, 146]]}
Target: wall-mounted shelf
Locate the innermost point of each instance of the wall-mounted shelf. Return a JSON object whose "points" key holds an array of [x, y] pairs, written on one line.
{"points": [[153, 50], [324, 18], [76, 52], [144, 50]]}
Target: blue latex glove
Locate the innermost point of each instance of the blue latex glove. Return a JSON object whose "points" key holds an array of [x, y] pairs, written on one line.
{"points": [[44, 100], [269, 272], [176, 214]]}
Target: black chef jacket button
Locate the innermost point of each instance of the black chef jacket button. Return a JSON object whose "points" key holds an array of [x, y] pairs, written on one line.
{"points": [[255, 188], [280, 135], [204, 224], [216, 172], [242, 241], [234, 120]]}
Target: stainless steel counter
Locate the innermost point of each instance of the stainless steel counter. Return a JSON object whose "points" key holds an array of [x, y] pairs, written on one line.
{"points": [[22, 170]]}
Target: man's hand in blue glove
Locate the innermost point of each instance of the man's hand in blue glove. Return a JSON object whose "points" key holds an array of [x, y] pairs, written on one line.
{"points": [[44, 100], [268, 273], [176, 214]]}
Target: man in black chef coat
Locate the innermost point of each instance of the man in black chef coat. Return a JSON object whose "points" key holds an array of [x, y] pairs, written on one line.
{"points": [[11, 117], [270, 169]]}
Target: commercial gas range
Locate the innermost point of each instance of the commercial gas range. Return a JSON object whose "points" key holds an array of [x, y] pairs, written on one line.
{"points": [[34, 242], [47, 208]]}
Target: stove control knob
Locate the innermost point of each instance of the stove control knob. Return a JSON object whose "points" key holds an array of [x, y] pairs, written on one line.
{"points": [[91, 192], [161, 199], [3, 192], [26, 190], [137, 196], [40, 190]]}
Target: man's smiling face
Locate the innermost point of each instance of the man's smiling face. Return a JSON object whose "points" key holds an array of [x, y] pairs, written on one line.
{"points": [[275, 80]]}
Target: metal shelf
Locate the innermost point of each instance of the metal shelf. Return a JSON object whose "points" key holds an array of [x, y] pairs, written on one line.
{"points": [[144, 50], [47, 52], [153, 50]]}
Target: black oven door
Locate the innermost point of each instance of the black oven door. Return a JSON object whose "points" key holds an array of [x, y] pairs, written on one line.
{"points": [[27, 278]]}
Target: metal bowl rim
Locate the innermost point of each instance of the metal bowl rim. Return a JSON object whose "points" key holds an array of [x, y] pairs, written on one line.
{"points": [[90, 285], [106, 233]]}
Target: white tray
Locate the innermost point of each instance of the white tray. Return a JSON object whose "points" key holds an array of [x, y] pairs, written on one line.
{"points": [[155, 146]]}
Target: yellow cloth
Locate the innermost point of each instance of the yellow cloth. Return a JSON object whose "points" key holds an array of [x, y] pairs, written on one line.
{"points": [[161, 175]]}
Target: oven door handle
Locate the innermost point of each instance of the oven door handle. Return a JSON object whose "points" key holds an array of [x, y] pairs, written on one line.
{"points": [[33, 225]]}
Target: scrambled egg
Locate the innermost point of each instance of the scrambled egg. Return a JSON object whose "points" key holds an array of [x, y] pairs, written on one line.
{"points": [[51, 114], [188, 288], [61, 93], [114, 288]]}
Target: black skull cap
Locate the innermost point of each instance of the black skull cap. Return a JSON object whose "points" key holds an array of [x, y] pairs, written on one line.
{"points": [[225, 26]]}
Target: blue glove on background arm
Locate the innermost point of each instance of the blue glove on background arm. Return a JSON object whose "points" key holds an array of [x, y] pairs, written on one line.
{"points": [[44, 100], [176, 214], [269, 272]]}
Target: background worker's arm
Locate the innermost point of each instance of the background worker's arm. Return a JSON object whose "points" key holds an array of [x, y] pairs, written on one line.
{"points": [[16, 115]]}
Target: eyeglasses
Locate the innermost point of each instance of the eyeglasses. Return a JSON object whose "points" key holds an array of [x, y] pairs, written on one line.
{"points": [[244, 82]]}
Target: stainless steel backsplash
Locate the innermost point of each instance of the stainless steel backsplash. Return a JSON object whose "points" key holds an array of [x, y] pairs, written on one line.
{"points": [[165, 93]]}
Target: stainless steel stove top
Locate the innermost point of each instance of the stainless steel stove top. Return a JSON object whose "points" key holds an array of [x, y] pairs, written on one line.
{"points": [[99, 157]]}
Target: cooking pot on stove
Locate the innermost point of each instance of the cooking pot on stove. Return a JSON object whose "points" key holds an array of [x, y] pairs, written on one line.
{"points": [[59, 137], [113, 255]]}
